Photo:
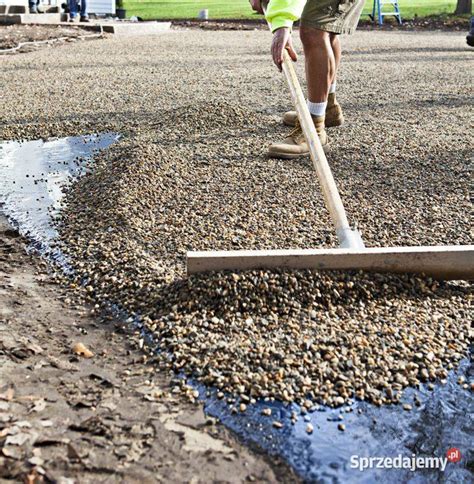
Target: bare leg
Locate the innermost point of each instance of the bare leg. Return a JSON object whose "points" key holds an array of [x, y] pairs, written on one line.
{"points": [[336, 49], [320, 62]]}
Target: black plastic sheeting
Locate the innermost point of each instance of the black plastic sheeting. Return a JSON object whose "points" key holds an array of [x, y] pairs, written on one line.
{"points": [[31, 177], [443, 421]]}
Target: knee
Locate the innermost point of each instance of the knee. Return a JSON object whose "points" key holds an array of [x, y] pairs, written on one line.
{"points": [[313, 38]]}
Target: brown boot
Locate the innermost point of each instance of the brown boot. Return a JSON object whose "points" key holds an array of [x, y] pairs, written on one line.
{"points": [[334, 116], [294, 145]]}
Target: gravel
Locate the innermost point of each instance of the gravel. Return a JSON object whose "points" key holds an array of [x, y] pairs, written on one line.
{"points": [[191, 173]]}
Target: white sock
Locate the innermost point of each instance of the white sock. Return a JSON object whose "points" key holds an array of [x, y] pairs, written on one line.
{"points": [[332, 88], [317, 109]]}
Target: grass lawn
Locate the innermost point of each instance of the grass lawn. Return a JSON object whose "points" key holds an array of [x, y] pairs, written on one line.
{"points": [[175, 9]]}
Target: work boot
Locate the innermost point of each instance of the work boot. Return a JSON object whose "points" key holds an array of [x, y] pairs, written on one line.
{"points": [[334, 116], [84, 19], [294, 145]]}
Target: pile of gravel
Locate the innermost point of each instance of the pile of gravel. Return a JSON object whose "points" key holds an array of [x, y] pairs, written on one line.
{"points": [[296, 336], [312, 337]]}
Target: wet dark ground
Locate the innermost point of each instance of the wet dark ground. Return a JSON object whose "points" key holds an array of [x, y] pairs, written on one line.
{"points": [[32, 175]]}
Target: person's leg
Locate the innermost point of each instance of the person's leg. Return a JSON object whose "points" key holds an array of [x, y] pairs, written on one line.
{"points": [[32, 4], [334, 115], [320, 63], [84, 15], [72, 8], [336, 50], [320, 71]]}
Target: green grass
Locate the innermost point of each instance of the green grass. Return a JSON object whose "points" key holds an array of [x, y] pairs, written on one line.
{"points": [[176, 9], [238, 9]]}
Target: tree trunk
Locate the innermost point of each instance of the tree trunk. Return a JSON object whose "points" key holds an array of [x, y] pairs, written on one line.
{"points": [[463, 6]]}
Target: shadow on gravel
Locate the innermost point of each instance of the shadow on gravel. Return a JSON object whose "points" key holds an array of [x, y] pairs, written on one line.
{"points": [[447, 102], [407, 50], [415, 59], [252, 293]]}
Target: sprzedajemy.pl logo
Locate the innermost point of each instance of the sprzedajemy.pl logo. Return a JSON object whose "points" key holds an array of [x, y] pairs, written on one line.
{"points": [[412, 463]]}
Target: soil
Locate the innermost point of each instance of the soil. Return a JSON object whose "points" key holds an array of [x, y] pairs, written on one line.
{"points": [[109, 418], [12, 35], [434, 22]]}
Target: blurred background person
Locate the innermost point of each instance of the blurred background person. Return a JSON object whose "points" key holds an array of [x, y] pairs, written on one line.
{"points": [[73, 8]]}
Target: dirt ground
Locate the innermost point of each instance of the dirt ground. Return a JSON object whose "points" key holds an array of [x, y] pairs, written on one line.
{"points": [[110, 418], [13, 35], [435, 22]]}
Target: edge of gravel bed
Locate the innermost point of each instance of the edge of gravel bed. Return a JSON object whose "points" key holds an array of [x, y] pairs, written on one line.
{"points": [[436, 22]]}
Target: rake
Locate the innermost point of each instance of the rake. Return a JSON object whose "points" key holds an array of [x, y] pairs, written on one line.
{"points": [[439, 262]]}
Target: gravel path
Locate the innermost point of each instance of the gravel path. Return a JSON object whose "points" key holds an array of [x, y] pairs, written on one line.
{"points": [[191, 173]]}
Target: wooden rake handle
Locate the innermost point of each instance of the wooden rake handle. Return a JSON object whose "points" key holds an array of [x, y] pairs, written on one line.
{"points": [[320, 162]]}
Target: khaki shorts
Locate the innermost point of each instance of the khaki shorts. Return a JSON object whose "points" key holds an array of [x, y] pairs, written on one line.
{"points": [[336, 16]]}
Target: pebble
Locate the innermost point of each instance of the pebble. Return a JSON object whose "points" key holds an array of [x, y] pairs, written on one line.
{"points": [[341, 427], [81, 350], [309, 428]]}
